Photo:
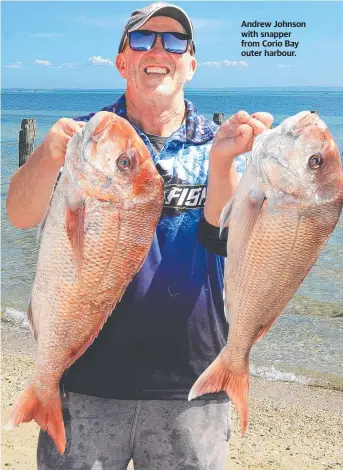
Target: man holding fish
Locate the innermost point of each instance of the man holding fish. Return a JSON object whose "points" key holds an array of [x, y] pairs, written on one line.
{"points": [[124, 390]]}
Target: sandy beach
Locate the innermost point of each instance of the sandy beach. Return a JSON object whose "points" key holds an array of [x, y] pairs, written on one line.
{"points": [[291, 426]]}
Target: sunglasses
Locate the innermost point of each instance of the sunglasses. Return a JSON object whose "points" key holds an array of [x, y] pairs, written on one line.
{"points": [[144, 40]]}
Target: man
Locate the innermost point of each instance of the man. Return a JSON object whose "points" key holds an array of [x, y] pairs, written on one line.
{"points": [[126, 397]]}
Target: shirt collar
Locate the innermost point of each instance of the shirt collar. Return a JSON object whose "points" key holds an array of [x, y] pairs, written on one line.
{"points": [[195, 129]]}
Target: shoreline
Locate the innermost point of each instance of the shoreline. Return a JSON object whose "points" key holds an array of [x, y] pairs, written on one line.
{"points": [[265, 360], [291, 426]]}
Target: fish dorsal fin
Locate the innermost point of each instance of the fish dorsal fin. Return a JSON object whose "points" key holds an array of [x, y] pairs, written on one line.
{"points": [[75, 227]]}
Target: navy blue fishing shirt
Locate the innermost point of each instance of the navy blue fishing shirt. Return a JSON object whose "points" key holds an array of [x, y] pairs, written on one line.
{"points": [[170, 324]]}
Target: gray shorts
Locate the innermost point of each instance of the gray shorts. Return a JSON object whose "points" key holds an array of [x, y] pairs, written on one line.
{"points": [[105, 434]]}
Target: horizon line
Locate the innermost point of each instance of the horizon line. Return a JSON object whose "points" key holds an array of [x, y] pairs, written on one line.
{"points": [[186, 89]]}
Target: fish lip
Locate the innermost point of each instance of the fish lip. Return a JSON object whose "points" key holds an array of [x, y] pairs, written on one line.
{"points": [[296, 125], [289, 125], [312, 119]]}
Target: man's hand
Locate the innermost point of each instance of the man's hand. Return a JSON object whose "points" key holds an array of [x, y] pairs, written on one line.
{"points": [[54, 146], [32, 184], [236, 136]]}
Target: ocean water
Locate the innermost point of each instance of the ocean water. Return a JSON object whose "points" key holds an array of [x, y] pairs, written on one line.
{"points": [[306, 343]]}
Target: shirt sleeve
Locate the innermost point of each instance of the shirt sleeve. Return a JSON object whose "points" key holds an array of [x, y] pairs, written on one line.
{"points": [[210, 239]]}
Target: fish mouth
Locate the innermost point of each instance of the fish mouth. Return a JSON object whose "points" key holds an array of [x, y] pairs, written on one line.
{"points": [[295, 125], [311, 119], [156, 70]]}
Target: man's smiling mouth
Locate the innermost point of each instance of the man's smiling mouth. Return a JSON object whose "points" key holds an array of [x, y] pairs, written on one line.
{"points": [[156, 70]]}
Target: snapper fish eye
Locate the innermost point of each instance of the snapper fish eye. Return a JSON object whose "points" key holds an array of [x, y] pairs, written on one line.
{"points": [[316, 161], [123, 162]]}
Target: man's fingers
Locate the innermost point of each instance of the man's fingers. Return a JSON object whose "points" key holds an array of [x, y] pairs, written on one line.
{"points": [[71, 127], [256, 125], [246, 131], [266, 118], [75, 126], [231, 127], [256, 119], [241, 117]]}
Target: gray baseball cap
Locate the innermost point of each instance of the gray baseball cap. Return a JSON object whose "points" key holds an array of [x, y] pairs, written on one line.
{"points": [[142, 15]]}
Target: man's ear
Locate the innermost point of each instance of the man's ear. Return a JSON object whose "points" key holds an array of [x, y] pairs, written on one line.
{"points": [[192, 69], [121, 64]]}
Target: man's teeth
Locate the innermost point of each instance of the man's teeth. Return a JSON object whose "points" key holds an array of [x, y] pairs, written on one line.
{"points": [[160, 70]]}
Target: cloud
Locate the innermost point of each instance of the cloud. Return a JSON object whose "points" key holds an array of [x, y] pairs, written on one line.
{"points": [[46, 35], [103, 21], [98, 60], [69, 65], [284, 66], [16, 65], [47, 63], [44, 63], [224, 63]]}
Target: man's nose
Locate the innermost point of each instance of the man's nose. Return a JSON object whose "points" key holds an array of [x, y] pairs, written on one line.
{"points": [[158, 46]]}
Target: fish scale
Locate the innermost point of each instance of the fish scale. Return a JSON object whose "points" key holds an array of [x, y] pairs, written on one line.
{"points": [[97, 233]]}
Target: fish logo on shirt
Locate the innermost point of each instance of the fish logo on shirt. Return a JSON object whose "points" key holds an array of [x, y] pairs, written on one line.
{"points": [[179, 195], [184, 196]]}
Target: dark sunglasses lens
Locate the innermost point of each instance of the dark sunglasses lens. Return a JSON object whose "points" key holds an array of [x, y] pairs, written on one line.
{"points": [[141, 40], [175, 42]]}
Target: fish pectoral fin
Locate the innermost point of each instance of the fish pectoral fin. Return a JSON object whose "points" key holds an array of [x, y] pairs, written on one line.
{"points": [[225, 216], [264, 329], [75, 227], [47, 415], [217, 377], [250, 213]]}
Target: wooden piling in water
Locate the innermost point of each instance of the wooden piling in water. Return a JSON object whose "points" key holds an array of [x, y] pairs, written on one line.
{"points": [[27, 135], [218, 118]]}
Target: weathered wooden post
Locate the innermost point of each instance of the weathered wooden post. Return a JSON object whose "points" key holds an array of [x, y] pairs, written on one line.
{"points": [[27, 135], [218, 118]]}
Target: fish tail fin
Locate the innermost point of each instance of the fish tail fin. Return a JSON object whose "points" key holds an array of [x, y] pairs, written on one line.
{"points": [[47, 415], [219, 377]]}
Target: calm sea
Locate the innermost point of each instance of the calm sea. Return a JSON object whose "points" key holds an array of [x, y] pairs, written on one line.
{"points": [[306, 343]]}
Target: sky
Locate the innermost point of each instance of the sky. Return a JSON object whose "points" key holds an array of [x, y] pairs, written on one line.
{"points": [[65, 44]]}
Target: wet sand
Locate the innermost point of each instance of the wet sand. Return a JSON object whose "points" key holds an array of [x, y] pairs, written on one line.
{"points": [[291, 426]]}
